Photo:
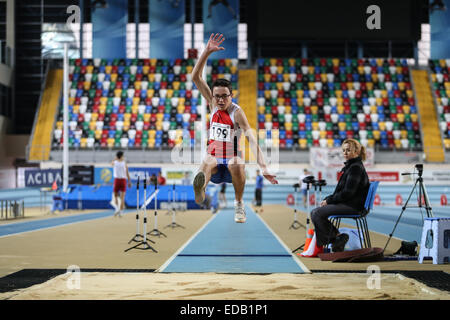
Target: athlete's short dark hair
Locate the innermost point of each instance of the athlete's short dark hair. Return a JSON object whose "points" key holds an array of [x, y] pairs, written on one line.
{"points": [[222, 83]]}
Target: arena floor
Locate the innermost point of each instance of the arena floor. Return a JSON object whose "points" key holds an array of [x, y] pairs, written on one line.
{"points": [[34, 264]]}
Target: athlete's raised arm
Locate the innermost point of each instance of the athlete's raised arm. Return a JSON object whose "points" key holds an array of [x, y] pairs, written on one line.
{"points": [[213, 45]]}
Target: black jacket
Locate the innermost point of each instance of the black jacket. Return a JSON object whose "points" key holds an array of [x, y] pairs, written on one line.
{"points": [[353, 185]]}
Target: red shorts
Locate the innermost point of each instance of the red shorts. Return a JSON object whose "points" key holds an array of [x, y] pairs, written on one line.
{"points": [[120, 185]]}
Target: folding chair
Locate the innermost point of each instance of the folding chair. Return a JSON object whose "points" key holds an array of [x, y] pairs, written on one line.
{"points": [[360, 219]]}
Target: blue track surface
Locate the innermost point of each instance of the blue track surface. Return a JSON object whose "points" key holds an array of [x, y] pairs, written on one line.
{"points": [[20, 227], [229, 247]]}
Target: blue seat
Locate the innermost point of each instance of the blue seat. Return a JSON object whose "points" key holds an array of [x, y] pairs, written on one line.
{"points": [[360, 219]]}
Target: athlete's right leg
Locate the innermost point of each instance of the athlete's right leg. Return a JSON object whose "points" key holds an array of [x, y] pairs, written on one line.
{"points": [[201, 180]]}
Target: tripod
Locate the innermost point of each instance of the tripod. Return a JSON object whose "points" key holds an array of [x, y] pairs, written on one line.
{"points": [[422, 194], [173, 225], [155, 231], [295, 224], [308, 180], [144, 242]]}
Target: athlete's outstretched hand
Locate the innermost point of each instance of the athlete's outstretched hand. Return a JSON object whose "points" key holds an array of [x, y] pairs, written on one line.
{"points": [[270, 177], [215, 40]]}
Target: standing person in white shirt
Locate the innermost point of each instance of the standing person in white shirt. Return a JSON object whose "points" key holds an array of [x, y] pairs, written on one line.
{"points": [[120, 174], [304, 186]]}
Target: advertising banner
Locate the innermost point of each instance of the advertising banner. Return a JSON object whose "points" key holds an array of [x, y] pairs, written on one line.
{"points": [[43, 178], [222, 16], [109, 29], [167, 28]]}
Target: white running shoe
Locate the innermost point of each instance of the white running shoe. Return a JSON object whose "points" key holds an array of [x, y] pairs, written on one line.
{"points": [[239, 212]]}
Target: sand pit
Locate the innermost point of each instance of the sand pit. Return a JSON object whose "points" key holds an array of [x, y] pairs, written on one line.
{"points": [[209, 286]]}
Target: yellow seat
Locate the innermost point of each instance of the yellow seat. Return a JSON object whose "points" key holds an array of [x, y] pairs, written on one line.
{"points": [[369, 85], [151, 77], [76, 108], [382, 126], [110, 142], [136, 101], [311, 85], [350, 85], [267, 77], [288, 110], [113, 77], [87, 85], [176, 85], [406, 109], [323, 134], [330, 143], [159, 117], [376, 134], [101, 109], [398, 143], [103, 101], [145, 69], [404, 134], [108, 69], [126, 125], [273, 62], [261, 134], [126, 117], [280, 101], [94, 116], [286, 77], [373, 109], [280, 69], [400, 117], [371, 143], [83, 142], [447, 143], [98, 134], [153, 62], [342, 126], [288, 126], [180, 108], [414, 117], [267, 94], [340, 109], [300, 94], [335, 62], [92, 125], [59, 125], [338, 94], [151, 143], [261, 109], [117, 93], [134, 109], [303, 143], [279, 85], [291, 62], [315, 125]]}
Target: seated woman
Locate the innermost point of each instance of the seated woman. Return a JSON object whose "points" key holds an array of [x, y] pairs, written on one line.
{"points": [[348, 197]]}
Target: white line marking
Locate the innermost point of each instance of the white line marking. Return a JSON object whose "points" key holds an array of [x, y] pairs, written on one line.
{"points": [[300, 264]]}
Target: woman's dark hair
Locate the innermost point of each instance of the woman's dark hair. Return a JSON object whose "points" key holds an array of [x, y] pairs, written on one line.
{"points": [[119, 154], [222, 83]]}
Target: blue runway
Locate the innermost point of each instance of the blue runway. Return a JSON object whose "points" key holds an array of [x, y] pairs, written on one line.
{"points": [[224, 246], [21, 227]]}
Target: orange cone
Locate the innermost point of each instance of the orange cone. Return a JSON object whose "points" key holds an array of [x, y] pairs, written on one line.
{"points": [[54, 186], [313, 249], [309, 237]]}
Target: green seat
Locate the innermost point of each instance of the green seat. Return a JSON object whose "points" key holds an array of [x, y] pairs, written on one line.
{"points": [[124, 94], [71, 62], [395, 126], [112, 85], [294, 126], [94, 77]]}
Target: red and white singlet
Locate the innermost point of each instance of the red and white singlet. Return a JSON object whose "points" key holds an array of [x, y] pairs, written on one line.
{"points": [[222, 132]]}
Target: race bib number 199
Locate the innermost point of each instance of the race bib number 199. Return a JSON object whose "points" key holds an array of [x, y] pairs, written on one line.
{"points": [[220, 132]]}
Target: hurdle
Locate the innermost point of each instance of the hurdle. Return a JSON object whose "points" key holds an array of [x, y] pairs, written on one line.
{"points": [[155, 231], [174, 224], [144, 242]]}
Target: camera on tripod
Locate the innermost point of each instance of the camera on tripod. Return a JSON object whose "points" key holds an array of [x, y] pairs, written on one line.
{"points": [[419, 168]]}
